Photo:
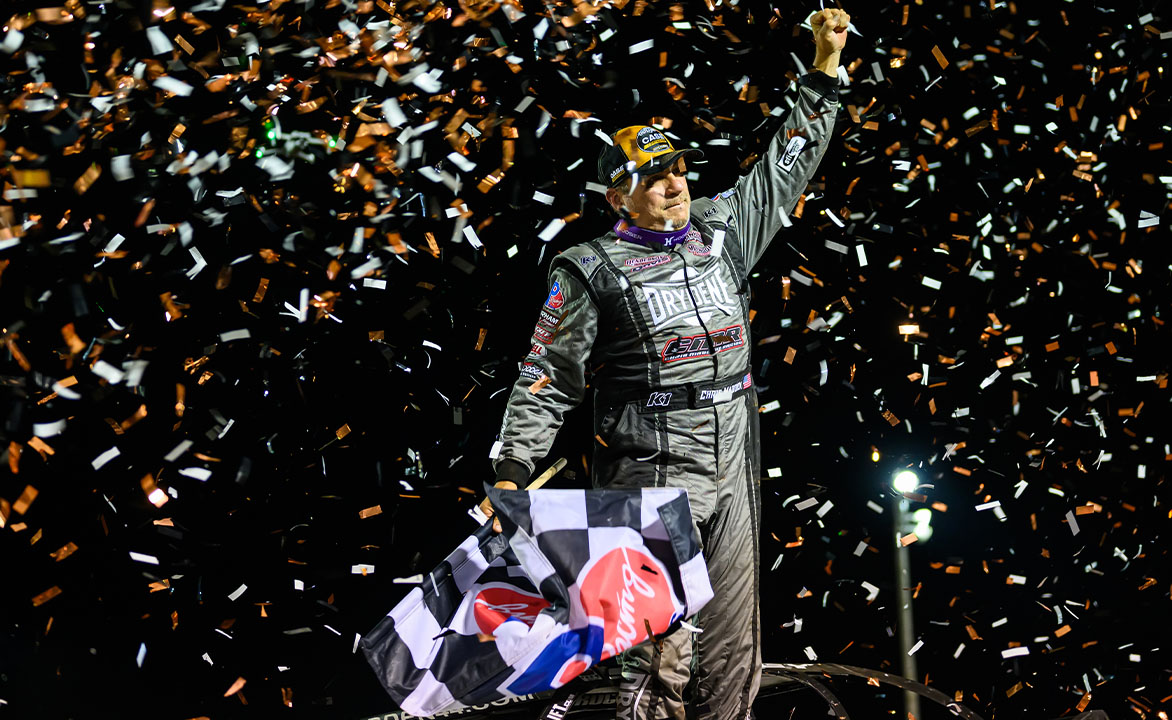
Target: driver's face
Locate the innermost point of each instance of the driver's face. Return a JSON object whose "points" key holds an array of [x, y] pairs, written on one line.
{"points": [[657, 202]]}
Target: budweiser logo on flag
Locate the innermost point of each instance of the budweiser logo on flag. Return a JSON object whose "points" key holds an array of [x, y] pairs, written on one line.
{"points": [[576, 577]]}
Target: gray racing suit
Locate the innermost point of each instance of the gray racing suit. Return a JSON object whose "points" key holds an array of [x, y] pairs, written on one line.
{"points": [[663, 319]]}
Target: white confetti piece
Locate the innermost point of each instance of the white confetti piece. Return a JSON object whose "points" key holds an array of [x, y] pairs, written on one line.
{"points": [[108, 372], [872, 590], [552, 229], [49, 429], [1015, 652], [198, 473], [172, 85], [807, 503], [235, 594], [105, 457], [159, 41], [231, 335], [361, 569], [931, 282], [148, 559], [1072, 522], [919, 644], [141, 655], [989, 505]]}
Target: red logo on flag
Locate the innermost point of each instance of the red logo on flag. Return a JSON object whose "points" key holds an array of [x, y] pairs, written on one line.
{"points": [[496, 604], [624, 588]]}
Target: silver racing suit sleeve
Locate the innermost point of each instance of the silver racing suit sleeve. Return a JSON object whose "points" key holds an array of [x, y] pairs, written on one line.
{"points": [[552, 380], [764, 198]]}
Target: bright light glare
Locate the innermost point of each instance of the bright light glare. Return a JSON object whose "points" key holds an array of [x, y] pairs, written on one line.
{"points": [[905, 481], [923, 520]]}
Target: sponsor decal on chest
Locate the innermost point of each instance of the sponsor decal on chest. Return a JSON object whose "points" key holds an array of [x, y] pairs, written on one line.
{"points": [[642, 263], [671, 302], [694, 346]]}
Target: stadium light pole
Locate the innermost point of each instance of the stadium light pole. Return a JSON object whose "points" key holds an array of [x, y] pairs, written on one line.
{"points": [[905, 481]]}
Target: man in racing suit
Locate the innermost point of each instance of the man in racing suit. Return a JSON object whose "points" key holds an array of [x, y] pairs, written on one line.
{"points": [[659, 306]]}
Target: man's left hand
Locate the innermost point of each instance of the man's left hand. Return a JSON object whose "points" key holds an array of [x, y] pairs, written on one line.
{"points": [[829, 28]]}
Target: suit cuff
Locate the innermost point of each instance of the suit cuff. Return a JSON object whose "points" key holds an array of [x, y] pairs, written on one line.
{"points": [[822, 84], [514, 471]]}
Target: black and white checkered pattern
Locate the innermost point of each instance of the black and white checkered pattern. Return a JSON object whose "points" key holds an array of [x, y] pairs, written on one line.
{"points": [[521, 612]]}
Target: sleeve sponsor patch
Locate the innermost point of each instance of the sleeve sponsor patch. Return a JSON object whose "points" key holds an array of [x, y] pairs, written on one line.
{"points": [[694, 346], [533, 371], [792, 150], [555, 299]]}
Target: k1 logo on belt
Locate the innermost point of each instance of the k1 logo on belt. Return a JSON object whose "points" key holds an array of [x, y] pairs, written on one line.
{"points": [[659, 399]]}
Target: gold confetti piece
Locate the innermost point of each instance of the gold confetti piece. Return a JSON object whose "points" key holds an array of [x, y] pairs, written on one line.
{"points": [[962, 471], [236, 686], [370, 512], [64, 551], [287, 696], [46, 596], [1062, 631], [909, 329], [1051, 347], [908, 539], [40, 531], [790, 354], [261, 288], [41, 446], [87, 179], [1011, 691], [182, 42], [32, 178], [26, 498], [342, 431], [5, 511], [939, 55], [160, 585], [538, 384], [890, 418]]}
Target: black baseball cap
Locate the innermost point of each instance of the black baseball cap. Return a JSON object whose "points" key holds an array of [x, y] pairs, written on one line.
{"points": [[638, 148]]}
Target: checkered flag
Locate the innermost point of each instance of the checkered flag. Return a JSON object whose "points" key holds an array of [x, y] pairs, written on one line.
{"points": [[576, 577]]}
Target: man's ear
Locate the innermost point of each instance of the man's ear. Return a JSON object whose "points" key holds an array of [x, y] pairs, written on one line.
{"points": [[615, 197]]}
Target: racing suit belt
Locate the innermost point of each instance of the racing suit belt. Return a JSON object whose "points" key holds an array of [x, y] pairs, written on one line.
{"points": [[681, 397]]}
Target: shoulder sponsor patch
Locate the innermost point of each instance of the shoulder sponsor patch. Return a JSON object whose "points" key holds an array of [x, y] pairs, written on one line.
{"points": [[555, 299], [792, 150], [642, 263], [587, 260], [710, 211], [694, 346]]}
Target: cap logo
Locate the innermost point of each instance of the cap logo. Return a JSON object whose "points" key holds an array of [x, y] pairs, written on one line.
{"points": [[652, 141]]}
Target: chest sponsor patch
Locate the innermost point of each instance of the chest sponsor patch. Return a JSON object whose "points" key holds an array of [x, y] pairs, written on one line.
{"points": [[694, 346], [642, 263], [670, 302], [555, 299]]}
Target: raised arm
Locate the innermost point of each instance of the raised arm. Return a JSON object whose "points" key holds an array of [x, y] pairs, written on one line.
{"points": [[768, 193]]}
